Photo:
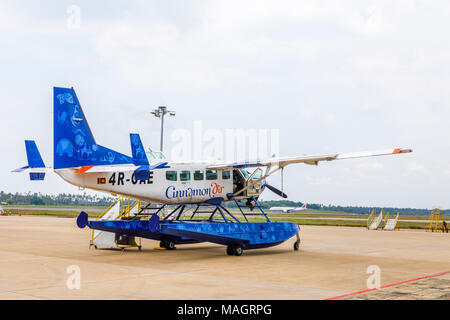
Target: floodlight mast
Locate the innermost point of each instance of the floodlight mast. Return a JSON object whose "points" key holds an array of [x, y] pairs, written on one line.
{"points": [[160, 113]]}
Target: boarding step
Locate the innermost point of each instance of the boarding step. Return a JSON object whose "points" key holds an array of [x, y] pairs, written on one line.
{"points": [[377, 222], [120, 209], [391, 223]]}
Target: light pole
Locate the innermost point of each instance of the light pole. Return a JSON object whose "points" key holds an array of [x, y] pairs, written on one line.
{"points": [[160, 113]]}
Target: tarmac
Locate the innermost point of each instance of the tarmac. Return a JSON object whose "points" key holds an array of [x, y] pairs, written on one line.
{"points": [[38, 256]]}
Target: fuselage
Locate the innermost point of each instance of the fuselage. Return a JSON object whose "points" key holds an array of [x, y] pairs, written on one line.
{"points": [[180, 183]]}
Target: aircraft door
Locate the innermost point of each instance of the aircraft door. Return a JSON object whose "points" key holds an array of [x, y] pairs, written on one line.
{"points": [[255, 186], [239, 181], [243, 179]]}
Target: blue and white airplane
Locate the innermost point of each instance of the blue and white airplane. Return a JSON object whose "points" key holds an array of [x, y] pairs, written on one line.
{"points": [[81, 161]]}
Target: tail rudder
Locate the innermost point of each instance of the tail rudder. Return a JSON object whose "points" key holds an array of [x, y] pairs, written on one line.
{"points": [[137, 150], [33, 155], [73, 142]]}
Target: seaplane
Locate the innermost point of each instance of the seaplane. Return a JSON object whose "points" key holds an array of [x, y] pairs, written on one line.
{"points": [[197, 188], [288, 209]]}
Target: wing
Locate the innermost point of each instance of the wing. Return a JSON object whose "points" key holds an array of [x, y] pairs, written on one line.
{"points": [[307, 159]]}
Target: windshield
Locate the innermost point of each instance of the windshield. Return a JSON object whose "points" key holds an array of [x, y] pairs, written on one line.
{"points": [[257, 175], [245, 173]]}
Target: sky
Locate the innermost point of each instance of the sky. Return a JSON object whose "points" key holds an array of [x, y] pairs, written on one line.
{"points": [[329, 76]]}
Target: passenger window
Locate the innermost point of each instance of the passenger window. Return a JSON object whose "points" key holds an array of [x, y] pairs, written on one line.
{"points": [[199, 175], [171, 175], [185, 176], [211, 175], [226, 175]]}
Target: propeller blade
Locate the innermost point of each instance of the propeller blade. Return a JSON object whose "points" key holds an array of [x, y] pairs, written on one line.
{"points": [[275, 190]]}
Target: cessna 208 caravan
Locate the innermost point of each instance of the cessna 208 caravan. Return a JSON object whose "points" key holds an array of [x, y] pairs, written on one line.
{"points": [[81, 161]]}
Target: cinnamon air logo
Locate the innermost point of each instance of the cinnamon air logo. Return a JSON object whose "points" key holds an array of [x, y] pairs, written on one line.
{"points": [[215, 188], [172, 192]]}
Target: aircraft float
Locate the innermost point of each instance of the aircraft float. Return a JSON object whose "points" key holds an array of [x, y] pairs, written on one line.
{"points": [[175, 186]]}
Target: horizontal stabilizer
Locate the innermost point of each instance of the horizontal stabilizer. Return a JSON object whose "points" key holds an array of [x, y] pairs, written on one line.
{"points": [[199, 236], [143, 172], [37, 176]]}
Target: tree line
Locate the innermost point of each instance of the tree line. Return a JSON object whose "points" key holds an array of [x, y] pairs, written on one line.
{"points": [[62, 199], [343, 209]]}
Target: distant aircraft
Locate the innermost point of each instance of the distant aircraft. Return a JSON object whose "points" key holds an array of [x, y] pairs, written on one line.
{"points": [[289, 209], [81, 161]]}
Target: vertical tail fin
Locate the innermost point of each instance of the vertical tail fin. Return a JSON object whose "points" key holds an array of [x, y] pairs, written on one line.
{"points": [[36, 166], [73, 142], [138, 151], [33, 155]]}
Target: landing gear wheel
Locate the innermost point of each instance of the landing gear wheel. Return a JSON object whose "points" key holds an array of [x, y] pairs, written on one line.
{"points": [[163, 243], [238, 250], [170, 245], [297, 243], [230, 250]]}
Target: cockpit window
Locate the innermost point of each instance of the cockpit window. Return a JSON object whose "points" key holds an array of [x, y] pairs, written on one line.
{"points": [[257, 175], [245, 173]]}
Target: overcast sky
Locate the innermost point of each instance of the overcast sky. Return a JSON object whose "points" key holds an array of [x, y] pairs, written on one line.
{"points": [[332, 76]]}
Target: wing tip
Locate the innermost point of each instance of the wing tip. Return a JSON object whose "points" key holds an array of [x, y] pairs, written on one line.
{"points": [[399, 150]]}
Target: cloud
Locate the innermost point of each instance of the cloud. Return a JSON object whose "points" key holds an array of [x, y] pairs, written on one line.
{"points": [[416, 168], [307, 113]]}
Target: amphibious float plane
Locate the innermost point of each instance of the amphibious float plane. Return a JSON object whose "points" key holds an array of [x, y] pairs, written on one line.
{"points": [[81, 161]]}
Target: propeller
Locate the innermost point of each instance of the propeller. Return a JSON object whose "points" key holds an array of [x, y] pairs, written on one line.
{"points": [[275, 190]]}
